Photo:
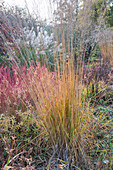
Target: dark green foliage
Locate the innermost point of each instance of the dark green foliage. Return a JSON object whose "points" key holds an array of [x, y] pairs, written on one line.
{"points": [[109, 16]]}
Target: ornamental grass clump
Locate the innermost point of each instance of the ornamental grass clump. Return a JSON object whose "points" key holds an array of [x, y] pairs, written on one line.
{"points": [[11, 90], [14, 93], [62, 118]]}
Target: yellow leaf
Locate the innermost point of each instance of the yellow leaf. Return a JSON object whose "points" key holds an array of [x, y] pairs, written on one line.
{"points": [[8, 167]]}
